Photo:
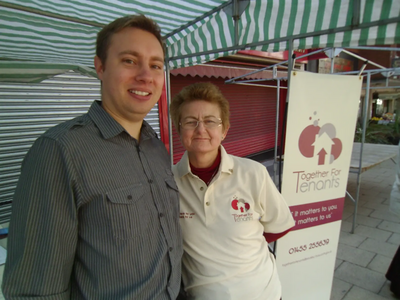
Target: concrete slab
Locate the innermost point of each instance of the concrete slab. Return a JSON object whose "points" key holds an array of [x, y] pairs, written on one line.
{"points": [[385, 215], [390, 226], [386, 249], [377, 234], [380, 264], [354, 255], [376, 204], [357, 293], [350, 239], [385, 291], [346, 226], [366, 221], [361, 277], [394, 239], [347, 213], [339, 289], [338, 262]]}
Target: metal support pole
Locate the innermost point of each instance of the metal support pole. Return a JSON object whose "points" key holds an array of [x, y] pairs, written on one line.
{"points": [[168, 95], [278, 90], [332, 60], [290, 68], [366, 105], [236, 18]]}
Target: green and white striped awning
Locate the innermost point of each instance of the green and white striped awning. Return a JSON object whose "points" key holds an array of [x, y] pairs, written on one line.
{"points": [[64, 31]]}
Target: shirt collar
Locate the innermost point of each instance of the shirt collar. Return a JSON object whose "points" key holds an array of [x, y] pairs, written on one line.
{"points": [[109, 127], [226, 165]]}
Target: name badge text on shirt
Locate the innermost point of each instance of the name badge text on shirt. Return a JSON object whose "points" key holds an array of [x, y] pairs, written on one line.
{"points": [[186, 215]]}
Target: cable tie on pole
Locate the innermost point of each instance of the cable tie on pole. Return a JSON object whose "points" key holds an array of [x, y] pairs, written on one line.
{"points": [[363, 67], [294, 60]]}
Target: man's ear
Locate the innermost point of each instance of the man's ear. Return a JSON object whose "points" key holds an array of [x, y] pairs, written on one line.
{"points": [[98, 65]]}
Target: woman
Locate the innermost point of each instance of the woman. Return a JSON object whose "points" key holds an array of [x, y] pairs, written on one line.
{"points": [[226, 204]]}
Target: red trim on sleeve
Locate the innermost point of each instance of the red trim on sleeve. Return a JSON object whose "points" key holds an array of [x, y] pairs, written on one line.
{"points": [[272, 237]]}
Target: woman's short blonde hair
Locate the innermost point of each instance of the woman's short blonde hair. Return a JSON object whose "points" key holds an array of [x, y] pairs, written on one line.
{"points": [[205, 91]]}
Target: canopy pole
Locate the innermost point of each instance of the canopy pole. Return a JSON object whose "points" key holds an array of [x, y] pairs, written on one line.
{"points": [[366, 105], [236, 18], [278, 90], [168, 95]]}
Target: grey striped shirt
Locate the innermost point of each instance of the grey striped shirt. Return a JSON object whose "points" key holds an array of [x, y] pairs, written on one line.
{"points": [[95, 216]]}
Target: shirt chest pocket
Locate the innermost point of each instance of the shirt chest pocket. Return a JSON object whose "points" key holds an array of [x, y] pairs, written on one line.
{"points": [[128, 211], [173, 196]]}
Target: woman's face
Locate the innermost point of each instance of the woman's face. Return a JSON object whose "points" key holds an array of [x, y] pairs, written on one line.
{"points": [[201, 140]]}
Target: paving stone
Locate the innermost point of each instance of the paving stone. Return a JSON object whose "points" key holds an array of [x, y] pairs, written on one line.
{"points": [[337, 263], [339, 289], [346, 226], [350, 239], [347, 214], [376, 205], [385, 291], [379, 247], [394, 239], [377, 234], [390, 226], [357, 293], [354, 255], [366, 221], [361, 277], [385, 215], [380, 264], [364, 211]]}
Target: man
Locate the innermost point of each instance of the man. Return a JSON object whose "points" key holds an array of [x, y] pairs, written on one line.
{"points": [[95, 213]]}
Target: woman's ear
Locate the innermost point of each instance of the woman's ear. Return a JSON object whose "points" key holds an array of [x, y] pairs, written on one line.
{"points": [[225, 132]]}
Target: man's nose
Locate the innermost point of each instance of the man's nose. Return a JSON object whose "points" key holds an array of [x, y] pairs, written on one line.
{"points": [[144, 74]]}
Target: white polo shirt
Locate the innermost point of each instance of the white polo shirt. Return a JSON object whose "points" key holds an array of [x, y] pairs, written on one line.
{"points": [[226, 255]]}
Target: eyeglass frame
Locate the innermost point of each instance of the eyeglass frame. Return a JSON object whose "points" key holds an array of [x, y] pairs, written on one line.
{"points": [[202, 121]]}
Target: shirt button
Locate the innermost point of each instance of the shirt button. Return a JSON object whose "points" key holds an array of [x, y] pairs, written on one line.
{"points": [[202, 188], [150, 180], [170, 249], [208, 203], [129, 197], [161, 215]]}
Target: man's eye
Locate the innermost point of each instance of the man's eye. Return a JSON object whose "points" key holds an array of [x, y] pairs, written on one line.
{"points": [[157, 67], [128, 61]]}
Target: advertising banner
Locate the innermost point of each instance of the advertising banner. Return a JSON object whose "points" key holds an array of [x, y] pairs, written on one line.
{"points": [[322, 114]]}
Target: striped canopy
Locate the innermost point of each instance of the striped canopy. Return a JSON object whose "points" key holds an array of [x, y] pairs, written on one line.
{"points": [[64, 31]]}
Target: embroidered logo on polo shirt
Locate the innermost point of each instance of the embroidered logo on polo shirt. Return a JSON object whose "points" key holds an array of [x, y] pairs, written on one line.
{"points": [[242, 207]]}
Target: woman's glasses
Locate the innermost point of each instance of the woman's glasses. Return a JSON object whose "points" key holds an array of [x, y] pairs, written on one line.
{"points": [[209, 122]]}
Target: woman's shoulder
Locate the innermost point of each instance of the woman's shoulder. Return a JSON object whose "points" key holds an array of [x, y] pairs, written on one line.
{"points": [[247, 163]]}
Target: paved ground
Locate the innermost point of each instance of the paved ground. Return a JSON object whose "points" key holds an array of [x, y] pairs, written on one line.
{"points": [[363, 257]]}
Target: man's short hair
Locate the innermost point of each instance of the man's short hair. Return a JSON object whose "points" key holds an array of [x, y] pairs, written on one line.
{"points": [[136, 21]]}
